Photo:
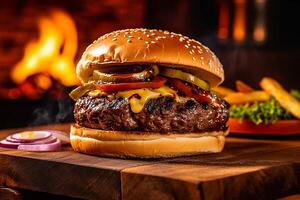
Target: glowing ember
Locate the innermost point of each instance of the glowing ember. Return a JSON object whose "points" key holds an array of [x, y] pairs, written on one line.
{"points": [[259, 33], [52, 54], [239, 26], [223, 27]]}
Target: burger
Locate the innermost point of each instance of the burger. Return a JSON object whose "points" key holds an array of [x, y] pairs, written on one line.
{"points": [[146, 94]]}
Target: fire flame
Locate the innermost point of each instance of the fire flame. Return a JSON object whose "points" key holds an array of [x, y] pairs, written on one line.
{"points": [[52, 54]]}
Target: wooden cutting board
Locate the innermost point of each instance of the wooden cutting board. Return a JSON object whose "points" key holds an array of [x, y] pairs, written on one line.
{"points": [[246, 169]]}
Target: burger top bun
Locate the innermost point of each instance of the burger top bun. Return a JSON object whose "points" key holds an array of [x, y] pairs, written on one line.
{"points": [[144, 46]]}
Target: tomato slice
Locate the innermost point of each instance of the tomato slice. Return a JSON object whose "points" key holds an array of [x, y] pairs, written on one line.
{"points": [[282, 127], [188, 91], [157, 82]]}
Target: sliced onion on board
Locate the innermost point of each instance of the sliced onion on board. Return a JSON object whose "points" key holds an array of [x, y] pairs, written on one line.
{"points": [[10, 139], [36, 140], [7, 144], [41, 147], [30, 136], [48, 140]]}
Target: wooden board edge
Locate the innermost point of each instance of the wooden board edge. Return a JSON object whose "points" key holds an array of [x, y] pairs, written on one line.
{"points": [[266, 183], [59, 178]]}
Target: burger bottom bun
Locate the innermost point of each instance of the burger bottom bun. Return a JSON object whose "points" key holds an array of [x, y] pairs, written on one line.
{"points": [[138, 145]]}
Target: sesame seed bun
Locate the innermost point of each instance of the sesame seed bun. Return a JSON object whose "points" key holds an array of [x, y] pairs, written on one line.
{"points": [[132, 144], [144, 46]]}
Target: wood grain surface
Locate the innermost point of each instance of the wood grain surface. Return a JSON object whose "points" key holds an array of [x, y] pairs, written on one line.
{"points": [[246, 169], [64, 172]]}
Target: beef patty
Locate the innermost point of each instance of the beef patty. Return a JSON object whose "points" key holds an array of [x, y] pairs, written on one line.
{"points": [[162, 115]]}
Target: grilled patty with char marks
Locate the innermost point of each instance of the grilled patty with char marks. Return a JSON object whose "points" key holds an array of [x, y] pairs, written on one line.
{"points": [[161, 115]]}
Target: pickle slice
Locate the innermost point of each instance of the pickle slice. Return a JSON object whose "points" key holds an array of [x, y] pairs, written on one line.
{"points": [[174, 73], [126, 78], [82, 90]]}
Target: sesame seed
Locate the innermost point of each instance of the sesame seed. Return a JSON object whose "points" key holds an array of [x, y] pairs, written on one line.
{"points": [[181, 39], [194, 58], [147, 35], [186, 46], [139, 38], [153, 34], [129, 41], [114, 39], [146, 42], [130, 36], [153, 42]]}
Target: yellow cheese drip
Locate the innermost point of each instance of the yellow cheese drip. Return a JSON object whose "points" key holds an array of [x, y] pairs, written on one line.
{"points": [[166, 91], [145, 94]]}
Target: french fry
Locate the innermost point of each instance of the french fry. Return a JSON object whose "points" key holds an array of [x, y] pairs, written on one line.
{"points": [[287, 101], [243, 87], [224, 91], [243, 98]]}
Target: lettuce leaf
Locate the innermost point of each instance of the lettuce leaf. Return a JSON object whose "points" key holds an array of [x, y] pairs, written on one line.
{"points": [[260, 112]]}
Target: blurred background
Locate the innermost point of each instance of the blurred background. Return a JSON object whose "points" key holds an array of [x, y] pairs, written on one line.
{"points": [[41, 41]]}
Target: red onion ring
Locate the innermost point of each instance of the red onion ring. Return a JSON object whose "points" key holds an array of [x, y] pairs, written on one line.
{"points": [[7, 144], [10, 144], [10, 139], [39, 135], [41, 147]]}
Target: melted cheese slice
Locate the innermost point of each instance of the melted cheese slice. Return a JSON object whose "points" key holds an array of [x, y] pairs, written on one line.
{"points": [[137, 104]]}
